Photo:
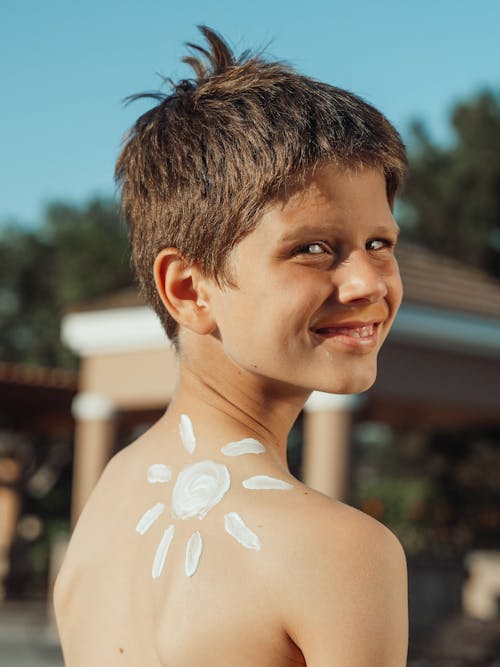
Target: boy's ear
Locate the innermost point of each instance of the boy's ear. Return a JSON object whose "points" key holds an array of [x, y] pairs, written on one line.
{"points": [[181, 287]]}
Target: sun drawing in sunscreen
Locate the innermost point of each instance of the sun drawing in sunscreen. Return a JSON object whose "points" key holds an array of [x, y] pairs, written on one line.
{"points": [[198, 488]]}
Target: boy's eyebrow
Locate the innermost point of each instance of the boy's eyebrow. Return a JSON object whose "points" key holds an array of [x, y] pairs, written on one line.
{"points": [[292, 235], [392, 228], [327, 230]]}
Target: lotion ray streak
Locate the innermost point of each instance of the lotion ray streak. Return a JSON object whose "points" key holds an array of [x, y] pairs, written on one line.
{"points": [[187, 434], [149, 517], [261, 482], [159, 472], [193, 553], [237, 528], [245, 446], [161, 552]]}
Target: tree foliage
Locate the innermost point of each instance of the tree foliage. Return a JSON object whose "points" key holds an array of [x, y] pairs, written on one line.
{"points": [[76, 254], [452, 200]]}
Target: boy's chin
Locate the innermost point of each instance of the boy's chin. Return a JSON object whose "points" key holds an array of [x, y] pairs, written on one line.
{"points": [[351, 384]]}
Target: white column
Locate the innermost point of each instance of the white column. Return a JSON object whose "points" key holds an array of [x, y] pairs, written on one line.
{"points": [[94, 438], [327, 427]]}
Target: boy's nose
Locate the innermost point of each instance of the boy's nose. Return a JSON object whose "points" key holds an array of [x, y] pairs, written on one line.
{"points": [[358, 279]]}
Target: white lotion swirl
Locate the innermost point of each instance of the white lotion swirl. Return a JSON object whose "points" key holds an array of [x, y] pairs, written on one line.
{"points": [[159, 472], [161, 552], [193, 553], [149, 517], [237, 528], [199, 487], [245, 446], [187, 434], [261, 482]]}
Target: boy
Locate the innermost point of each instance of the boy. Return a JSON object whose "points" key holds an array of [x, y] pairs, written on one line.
{"points": [[259, 204]]}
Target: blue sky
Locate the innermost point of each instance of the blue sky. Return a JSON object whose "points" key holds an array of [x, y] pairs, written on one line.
{"points": [[67, 64]]}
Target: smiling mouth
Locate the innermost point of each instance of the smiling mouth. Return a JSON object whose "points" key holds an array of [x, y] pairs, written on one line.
{"points": [[353, 331], [354, 336]]}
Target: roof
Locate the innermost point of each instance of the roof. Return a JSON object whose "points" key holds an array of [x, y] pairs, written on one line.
{"points": [[37, 376], [27, 391], [129, 297], [443, 283]]}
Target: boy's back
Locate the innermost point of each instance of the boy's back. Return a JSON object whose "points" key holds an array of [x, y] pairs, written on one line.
{"points": [[259, 204], [242, 605]]}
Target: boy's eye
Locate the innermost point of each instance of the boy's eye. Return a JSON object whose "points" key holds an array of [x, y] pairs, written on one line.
{"points": [[379, 244], [311, 249]]}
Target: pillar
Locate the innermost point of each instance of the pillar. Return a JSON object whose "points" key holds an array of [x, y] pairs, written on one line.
{"points": [[10, 474], [94, 440], [327, 428]]}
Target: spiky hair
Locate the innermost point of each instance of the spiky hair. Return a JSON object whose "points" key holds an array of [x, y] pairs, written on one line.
{"points": [[198, 169]]}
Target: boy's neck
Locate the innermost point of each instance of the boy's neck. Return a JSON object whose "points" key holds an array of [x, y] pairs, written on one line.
{"points": [[227, 400]]}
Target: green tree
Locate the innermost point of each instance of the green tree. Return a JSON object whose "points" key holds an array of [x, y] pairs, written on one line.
{"points": [[76, 254], [452, 200]]}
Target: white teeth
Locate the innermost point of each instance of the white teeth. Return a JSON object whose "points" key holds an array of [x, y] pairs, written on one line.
{"points": [[365, 331], [361, 332]]}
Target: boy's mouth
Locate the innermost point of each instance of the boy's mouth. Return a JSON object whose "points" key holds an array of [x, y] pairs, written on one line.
{"points": [[355, 336], [352, 330]]}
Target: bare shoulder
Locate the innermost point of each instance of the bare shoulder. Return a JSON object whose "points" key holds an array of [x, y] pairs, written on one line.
{"points": [[347, 590], [97, 522], [340, 527], [88, 587], [85, 538], [107, 503]]}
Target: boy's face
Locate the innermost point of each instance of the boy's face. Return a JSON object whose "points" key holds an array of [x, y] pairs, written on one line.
{"points": [[318, 285]]}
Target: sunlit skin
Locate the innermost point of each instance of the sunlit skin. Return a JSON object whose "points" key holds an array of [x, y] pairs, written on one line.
{"points": [[317, 290]]}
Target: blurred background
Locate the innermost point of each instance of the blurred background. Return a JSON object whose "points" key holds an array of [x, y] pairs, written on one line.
{"points": [[84, 366]]}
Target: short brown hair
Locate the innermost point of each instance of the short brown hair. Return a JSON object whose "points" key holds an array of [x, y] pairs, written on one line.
{"points": [[198, 170]]}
